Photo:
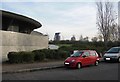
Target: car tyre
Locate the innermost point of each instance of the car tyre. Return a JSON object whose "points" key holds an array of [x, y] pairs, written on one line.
{"points": [[119, 60], [96, 63], [79, 65]]}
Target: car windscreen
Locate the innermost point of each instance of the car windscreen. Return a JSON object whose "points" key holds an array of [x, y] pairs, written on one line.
{"points": [[114, 50], [77, 54]]}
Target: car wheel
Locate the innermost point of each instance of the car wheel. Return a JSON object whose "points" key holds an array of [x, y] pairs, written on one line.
{"points": [[96, 63], [78, 65]]}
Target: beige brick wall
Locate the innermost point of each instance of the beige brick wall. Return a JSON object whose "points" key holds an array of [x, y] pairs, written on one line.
{"points": [[13, 41]]}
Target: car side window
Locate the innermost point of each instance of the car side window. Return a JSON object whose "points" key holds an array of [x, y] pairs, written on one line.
{"points": [[93, 54], [86, 53]]}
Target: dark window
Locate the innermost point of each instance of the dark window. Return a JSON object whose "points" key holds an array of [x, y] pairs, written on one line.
{"points": [[114, 50]]}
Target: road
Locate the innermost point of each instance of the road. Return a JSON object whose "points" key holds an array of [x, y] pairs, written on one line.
{"points": [[105, 71]]}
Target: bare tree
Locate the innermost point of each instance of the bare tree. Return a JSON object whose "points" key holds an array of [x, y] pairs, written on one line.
{"points": [[81, 38], [86, 39], [73, 38], [100, 38], [118, 33], [105, 19], [114, 33], [94, 39]]}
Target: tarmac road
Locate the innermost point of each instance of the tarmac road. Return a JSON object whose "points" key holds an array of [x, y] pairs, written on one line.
{"points": [[105, 71]]}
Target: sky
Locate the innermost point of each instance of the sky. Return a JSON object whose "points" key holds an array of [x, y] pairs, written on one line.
{"points": [[67, 17]]}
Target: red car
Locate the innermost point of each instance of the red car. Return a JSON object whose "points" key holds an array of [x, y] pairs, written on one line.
{"points": [[82, 58]]}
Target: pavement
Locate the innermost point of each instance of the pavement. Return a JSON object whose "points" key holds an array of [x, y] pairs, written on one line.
{"points": [[29, 67]]}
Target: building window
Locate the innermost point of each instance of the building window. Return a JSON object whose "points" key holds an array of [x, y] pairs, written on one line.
{"points": [[13, 28]]}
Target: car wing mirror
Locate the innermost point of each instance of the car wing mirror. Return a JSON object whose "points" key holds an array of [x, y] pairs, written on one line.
{"points": [[84, 56], [71, 55]]}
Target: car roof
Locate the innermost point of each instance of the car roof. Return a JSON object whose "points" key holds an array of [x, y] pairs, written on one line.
{"points": [[116, 47], [85, 50]]}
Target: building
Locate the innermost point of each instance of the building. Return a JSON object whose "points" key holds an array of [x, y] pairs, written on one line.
{"points": [[73, 38], [57, 36], [16, 34]]}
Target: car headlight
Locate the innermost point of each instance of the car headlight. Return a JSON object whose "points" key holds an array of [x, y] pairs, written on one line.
{"points": [[73, 61]]}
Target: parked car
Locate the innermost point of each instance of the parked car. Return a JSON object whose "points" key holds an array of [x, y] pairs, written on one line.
{"points": [[82, 58], [112, 54]]}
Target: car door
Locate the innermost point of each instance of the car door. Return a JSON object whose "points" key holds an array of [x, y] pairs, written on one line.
{"points": [[85, 58], [93, 57]]}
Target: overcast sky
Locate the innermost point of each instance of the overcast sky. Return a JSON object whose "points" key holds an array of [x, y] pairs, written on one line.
{"points": [[69, 18]]}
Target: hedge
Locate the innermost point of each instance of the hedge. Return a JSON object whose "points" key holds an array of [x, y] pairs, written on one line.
{"points": [[20, 57], [14, 57], [36, 55], [39, 55], [63, 54], [27, 56]]}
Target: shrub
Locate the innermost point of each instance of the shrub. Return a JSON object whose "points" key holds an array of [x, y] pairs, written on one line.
{"points": [[20, 57], [56, 54], [64, 54], [39, 55], [67, 48], [27, 56], [11, 57], [14, 57], [49, 54]]}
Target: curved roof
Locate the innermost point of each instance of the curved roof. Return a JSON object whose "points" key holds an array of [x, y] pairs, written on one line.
{"points": [[35, 24]]}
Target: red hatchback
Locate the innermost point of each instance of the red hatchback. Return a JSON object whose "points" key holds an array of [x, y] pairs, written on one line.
{"points": [[82, 58]]}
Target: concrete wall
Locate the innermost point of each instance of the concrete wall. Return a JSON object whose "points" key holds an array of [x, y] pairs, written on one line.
{"points": [[13, 41]]}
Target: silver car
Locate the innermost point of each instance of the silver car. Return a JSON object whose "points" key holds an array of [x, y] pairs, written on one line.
{"points": [[112, 54]]}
